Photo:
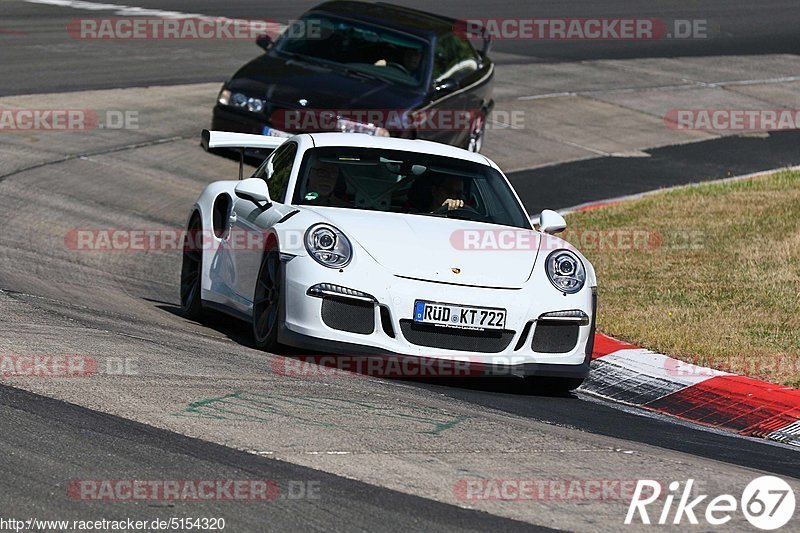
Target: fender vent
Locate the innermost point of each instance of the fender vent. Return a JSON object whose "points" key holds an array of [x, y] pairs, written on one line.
{"points": [[524, 336], [386, 321]]}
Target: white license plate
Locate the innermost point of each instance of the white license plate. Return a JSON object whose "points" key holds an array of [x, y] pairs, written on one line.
{"points": [[459, 316], [272, 132]]}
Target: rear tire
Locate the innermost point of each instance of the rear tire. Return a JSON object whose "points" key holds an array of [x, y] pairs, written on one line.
{"points": [[191, 271], [267, 301]]}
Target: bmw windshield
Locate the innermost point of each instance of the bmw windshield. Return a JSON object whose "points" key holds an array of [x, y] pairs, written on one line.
{"points": [[357, 48], [406, 182]]}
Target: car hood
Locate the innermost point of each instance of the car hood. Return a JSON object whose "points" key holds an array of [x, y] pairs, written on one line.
{"points": [[283, 82], [440, 249]]}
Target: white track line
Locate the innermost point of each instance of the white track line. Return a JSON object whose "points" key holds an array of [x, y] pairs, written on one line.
{"points": [[132, 11], [117, 9]]}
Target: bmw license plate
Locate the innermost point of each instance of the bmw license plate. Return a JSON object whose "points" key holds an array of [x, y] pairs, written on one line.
{"points": [[459, 316], [272, 132]]}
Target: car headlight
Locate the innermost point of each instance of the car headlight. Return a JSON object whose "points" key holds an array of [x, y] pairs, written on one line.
{"points": [[224, 97], [351, 126], [565, 271], [254, 105], [328, 246]]}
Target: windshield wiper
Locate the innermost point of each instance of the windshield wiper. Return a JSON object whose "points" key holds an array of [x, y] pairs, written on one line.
{"points": [[307, 59], [332, 65], [361, 74]]}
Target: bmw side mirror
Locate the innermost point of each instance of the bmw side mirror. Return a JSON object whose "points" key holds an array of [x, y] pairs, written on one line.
{"points": [[445, 86], [551, 222], [253, 189], [264, 41]]}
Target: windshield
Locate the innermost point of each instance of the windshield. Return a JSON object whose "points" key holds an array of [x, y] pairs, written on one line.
{"points": [[359, 48], [406, 182]]}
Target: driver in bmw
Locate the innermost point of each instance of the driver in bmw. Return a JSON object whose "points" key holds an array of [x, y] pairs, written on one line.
{"points": [[412, 60]]}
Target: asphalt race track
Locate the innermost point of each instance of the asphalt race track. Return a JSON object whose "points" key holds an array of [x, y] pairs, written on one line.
{"points": [[744, 28], [603, 178], [199, 402]]}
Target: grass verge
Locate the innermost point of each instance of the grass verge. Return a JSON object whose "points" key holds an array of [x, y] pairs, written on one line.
{"points": [[709, 274]]}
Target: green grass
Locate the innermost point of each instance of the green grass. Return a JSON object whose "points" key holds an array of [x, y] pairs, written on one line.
{"points": [[718, 281]]}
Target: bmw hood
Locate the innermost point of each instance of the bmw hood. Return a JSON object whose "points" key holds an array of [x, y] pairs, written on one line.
{"points": [[440, 249], [282, 83]]}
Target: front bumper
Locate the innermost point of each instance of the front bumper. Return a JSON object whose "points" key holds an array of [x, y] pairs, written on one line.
{"points": [[393, 332], [228, 119]]}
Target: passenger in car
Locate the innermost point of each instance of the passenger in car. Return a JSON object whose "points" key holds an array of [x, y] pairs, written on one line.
{"points": [[412, 60], [325, 186]]}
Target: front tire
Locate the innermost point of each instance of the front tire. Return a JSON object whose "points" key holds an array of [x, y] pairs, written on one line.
{"points": [[267, 301], [553, 386], [191, 271], [477, 130]]}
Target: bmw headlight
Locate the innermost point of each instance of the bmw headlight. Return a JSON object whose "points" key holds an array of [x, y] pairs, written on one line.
{"points": [[224, 97], [565, 271], [238, 100], [328, 246], [351, 126], [254, 105]]}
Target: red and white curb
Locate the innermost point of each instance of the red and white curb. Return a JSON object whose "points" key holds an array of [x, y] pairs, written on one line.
{"points": [[628, 374]]}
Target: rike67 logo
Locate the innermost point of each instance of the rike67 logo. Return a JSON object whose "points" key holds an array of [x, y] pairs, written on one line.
{"points": [[767, 502]]}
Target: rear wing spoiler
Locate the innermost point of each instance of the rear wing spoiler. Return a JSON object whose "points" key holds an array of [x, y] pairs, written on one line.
{"points": [[229, 139], [241, 141]]}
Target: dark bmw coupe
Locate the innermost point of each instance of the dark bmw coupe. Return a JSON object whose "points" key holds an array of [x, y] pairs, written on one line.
{"points": [[375, 68]]}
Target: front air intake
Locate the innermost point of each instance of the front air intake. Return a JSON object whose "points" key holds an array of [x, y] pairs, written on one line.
{"points": [[351, 316]]}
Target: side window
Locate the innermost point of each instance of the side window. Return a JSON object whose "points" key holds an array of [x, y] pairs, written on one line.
{"points": [[277, 169], [453, 58]]}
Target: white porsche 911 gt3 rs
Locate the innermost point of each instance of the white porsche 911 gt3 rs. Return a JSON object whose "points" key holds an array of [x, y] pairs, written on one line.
{"points": [[355, 244]]}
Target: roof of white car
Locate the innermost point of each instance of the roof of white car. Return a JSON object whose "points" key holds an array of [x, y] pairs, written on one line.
{"points": [[392, 143]]}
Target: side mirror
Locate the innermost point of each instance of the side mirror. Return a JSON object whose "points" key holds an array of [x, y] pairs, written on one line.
{"points": [[253, 189], [551, 222], [445, 86], [264, 41]]}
